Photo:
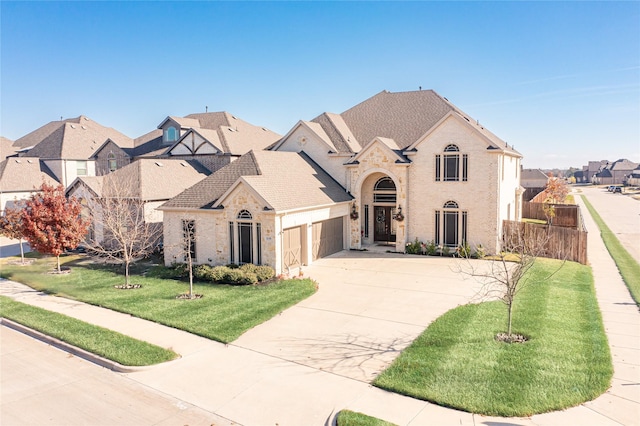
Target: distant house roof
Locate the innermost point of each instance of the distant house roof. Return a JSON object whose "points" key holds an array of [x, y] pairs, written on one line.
{"points": [[24, 174], [264, 172], [605, 173], [533, 178], [234, 136], [622, 165], [71, 139], [402, 117]]}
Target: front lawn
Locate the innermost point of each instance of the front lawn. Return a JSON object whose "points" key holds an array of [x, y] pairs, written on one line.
{"points": [[223, 313], [108, 344], [457, 362], [353, 418]]}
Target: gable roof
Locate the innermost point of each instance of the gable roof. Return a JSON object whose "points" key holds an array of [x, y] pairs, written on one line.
{"points": [[263, 171], [157, 179], [24, 174], [73, 139], [93, 183], [184, 123], [623, 165], [404, 117]]}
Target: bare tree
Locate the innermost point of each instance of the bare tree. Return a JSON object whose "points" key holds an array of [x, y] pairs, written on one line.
{"points": [[120, 231], [504, 275], [188, 243]]}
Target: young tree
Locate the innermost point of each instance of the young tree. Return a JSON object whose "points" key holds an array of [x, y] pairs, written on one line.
{"points": [[556, 191], [125, 235], [11, 225], [51, 223], [189, 249], [505, 274]]}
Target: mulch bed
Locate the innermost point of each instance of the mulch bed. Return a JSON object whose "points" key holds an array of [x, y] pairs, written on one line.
{"points": [[127, 286], [185, 296], [513, 338]]}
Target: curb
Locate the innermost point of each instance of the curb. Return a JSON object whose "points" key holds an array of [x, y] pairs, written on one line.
{"points": [[81, 353]]}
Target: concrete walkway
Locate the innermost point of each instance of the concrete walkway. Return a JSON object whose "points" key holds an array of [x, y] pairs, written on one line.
{"points": [[316, 358]]}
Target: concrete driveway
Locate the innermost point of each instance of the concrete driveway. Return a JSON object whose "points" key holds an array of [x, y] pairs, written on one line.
{"points": [[369, 307]]}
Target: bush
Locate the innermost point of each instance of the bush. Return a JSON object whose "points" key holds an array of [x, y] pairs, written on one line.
{"points": [[480, 252], [431, 248], [181, 270], [238, 277], [464, 250], [262, 272], [414, 247], [202, 272]]}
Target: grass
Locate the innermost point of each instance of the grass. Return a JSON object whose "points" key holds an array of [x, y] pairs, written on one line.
{"points": [[627, 265], [223, 313], [457, 362], [100, 341], [353, 418]]}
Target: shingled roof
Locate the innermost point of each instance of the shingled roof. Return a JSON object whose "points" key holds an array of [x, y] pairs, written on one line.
{"points": [[403, 117], [6, 148], [24, 174], [76, 139], [158, 179], [264, 172]]}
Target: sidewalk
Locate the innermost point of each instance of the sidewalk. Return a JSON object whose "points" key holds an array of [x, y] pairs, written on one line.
{"points": [[254, 388]]}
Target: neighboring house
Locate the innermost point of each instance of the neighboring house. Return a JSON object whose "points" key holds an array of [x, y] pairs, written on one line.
{"points": [[615, 173], [634, 178], [401, 166], [534, 181], [67, 146], [153, 181], [213, 138], [20, 177]]}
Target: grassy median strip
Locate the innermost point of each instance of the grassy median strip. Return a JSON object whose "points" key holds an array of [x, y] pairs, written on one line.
{"points": [[627, 265], [223, 313], [353, 418], [457, 362], [97, 340]]}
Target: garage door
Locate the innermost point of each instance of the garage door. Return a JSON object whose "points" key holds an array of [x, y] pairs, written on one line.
{"points": [[327, 237], [291, 248]]}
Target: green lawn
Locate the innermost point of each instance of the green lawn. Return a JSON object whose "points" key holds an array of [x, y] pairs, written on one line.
{"points": [[100, 341], [223, 314], [353, 418], [627, 265], [457, 362]]}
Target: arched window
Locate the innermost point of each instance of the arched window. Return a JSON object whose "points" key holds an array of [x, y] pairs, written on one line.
{"points": [[113, 164], [384, 191], [248, 240], [448, 166], [170, 134], [450, 225]]}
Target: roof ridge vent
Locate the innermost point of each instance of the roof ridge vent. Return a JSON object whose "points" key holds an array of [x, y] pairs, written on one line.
{"points": [[159, 164], [72, 126]]}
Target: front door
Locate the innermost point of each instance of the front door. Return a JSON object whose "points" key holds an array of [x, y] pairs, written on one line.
{"points": [[384, 226]]}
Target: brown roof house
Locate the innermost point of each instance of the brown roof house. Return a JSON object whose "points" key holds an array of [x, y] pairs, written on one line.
{"points": [[153, 181], [213, 138], [20, 177], [396, 167], [615, 173], [534, 181], [67, 146]]}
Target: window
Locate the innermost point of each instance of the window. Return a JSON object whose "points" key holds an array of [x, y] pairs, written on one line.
{"points": [[245, 246], [189, 239], [450, 225], [113, 164], [448, 166], [384, 191], [81, 168], [170, 134]]}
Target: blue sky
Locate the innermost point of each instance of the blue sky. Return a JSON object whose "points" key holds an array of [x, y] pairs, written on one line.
{"points": [[559, 80]]}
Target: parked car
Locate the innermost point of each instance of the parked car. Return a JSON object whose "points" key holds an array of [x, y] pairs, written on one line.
{"points": [[610, 188], [617, 189]]}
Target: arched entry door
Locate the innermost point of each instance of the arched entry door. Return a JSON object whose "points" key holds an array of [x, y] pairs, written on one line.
{"points": [[384, 201]]}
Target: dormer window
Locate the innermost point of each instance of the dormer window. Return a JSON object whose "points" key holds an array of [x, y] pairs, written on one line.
{"points": [[170, 134]]}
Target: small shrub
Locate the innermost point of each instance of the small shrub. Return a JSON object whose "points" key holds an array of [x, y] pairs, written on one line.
{"points": [[219, 274], [232, 265], [202, 272], [480, 252], [263, 272], [446, 250], [238, 277], [431, 248], [414, 247], [464, 250]]}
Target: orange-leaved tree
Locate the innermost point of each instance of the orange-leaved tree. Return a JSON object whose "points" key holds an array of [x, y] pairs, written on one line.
{"points": [[11, 225], [52, 223]]}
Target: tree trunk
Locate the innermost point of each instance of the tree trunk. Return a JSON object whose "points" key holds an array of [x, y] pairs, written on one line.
{"points": [[126, 272], [509, 309], [190, 278], [58, 262], [21, 251]]}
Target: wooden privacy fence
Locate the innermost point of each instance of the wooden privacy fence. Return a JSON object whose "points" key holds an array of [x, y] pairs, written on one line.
{"points": [[557, 242], [564, 214]]}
